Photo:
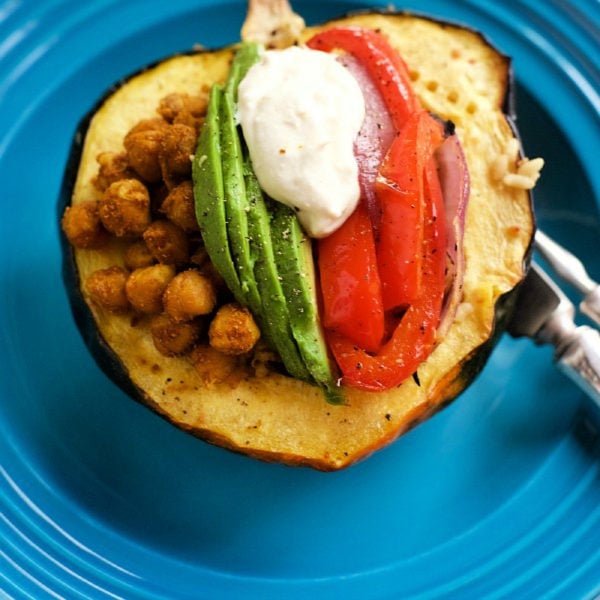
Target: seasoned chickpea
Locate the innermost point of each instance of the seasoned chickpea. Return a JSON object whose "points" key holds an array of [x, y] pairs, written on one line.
{"points": [[142, 146], [138, 256], [185, 109], [213, 366], [168, 243], [112, 167], [199, 256], [233, 330], [187, 118], [201, 259], [125, 208], [198, 103], [158, 194], [264, 360], [188, 295], [145, 287], [172, 106], [106, 288], [178, 207], [177, 146], [209, 270], [82, 226], [172, 339]]}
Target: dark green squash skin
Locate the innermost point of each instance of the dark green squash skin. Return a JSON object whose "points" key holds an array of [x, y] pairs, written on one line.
{"points": [[110, 363]]}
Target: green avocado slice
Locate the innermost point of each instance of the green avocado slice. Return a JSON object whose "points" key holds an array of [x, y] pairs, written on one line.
{"points": [[247, 54], [237, 235], [207, 175], [237, 207], [248, 226], [257, 244], [220, 198], [293, 255], [275, 314]]}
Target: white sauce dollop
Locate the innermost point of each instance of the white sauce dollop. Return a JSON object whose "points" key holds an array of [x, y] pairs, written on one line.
{"points": [[300, 111]]}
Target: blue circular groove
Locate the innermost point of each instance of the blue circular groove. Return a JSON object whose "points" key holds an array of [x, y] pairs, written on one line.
{"points": [[68, 532], [51, 556]]}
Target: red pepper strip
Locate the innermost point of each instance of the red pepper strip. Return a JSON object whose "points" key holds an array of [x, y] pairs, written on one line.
{"points": [[413, 338], [383, 63], [350, 284], [399, 189]]}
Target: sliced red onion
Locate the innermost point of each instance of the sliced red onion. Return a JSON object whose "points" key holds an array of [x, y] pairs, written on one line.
{"points": [[371, 146], [374, 138], [454, 179]]}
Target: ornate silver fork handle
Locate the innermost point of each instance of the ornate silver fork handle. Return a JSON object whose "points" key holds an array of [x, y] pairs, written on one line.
{"points": [[569, 268]]}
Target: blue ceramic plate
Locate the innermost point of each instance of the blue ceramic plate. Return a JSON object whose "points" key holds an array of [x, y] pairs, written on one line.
{"points": [[497, 496]]}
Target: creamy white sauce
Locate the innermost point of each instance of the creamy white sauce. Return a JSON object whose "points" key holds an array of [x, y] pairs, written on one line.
{"points": [[300, 111]]}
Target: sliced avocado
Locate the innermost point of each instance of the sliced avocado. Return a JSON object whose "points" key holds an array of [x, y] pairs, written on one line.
{"points": [[293, 255], [236, 204], [223, 211], [219, 189], [275, 316], [257, 244], [207, 174], [247, 54]]}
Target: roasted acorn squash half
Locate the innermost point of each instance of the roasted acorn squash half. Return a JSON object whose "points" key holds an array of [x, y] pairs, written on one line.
{"points": [[258, 409]]}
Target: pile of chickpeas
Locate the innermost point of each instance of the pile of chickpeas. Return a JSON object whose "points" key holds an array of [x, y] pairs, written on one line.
{"points": [[145, 203]]}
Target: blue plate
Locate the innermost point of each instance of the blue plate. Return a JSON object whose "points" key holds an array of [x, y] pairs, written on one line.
{"points": [[497, 496]]}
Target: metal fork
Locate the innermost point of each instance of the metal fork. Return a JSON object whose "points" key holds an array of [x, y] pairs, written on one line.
{"points": [[570, 269]]}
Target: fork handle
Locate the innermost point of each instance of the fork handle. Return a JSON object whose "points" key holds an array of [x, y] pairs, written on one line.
{"points": [[579, 358], [568, 267], [590, 305]]}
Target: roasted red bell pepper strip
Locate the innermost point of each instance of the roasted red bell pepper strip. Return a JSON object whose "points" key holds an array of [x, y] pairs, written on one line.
{"points": [[413, 338], [350, 286], [400, 191], [410, 245], [384, 64]]}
